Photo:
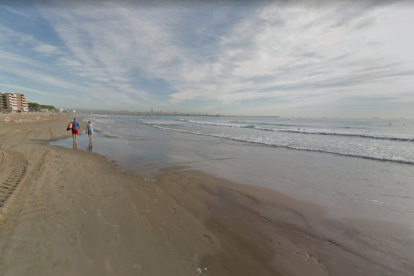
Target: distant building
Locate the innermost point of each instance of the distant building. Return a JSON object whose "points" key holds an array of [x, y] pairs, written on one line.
{"points": [[14, 102]]}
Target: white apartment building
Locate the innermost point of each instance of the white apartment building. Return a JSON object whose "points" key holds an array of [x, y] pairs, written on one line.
{"points": [[2, 101], [22, 102], [14, 102]]}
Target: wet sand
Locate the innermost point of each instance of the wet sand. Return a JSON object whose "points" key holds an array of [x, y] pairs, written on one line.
{"points": [[71, 212]]}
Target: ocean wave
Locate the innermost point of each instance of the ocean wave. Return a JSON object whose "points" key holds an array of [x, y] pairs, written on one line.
{"points": [[310, 132], [360, 135], [172, 123], [229, 137], [218, 124], [266, 124]]}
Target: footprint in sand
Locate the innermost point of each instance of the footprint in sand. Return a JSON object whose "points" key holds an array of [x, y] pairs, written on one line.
{"points": [[65, 213], [178, 226], [116, 227], [72, 238], [207, 238], [275, 242]]}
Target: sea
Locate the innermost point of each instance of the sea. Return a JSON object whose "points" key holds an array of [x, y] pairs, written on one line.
{"points": [[358, 167]]}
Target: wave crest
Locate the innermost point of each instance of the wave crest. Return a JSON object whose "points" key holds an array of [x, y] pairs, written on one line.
{"points": [[309, 132], [389, 159]]}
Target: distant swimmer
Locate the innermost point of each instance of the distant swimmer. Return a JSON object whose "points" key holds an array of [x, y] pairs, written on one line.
{"points": [[298, 128]]}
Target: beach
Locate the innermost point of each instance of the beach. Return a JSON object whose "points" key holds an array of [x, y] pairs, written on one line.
{"points": [[68, 211]]}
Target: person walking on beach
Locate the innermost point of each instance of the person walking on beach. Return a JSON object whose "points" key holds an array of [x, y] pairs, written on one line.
{"points": [[89, 131], [75, 130]]}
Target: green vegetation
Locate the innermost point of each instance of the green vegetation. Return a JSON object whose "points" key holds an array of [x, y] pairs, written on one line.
{"points": [[38, 107]]}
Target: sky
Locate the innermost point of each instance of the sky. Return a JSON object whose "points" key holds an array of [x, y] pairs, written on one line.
{"points": [[263, 58]]}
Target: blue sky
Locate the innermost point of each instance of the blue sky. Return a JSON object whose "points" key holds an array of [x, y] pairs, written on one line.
{"points": [[286, 58]]}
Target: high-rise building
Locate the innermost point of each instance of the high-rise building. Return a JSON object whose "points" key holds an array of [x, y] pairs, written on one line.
{"points": [[14, 102], [22, 102], [2, 101]]}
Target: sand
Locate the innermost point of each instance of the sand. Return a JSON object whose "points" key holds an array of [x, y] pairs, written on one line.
{"points": [[71, 212]]}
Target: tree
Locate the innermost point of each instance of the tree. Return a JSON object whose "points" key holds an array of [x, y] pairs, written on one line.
{"points": [[38, 107]]}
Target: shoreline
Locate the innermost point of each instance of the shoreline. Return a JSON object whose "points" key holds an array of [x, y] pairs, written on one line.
{"points": [[73, 212]]}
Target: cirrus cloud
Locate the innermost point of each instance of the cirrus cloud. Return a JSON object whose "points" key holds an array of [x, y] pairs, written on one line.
{"points": [[277, 54]]}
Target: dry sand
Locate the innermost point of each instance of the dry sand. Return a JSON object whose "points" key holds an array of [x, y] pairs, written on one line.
{"points": [[70, 212]]}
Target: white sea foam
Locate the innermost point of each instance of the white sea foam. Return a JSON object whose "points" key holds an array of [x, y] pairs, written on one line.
{"points": [[217, 124], [379, 136], [364, 139], [269, 142], [361, 135]]}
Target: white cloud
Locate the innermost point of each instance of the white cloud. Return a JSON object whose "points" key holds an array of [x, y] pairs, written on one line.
{"points": [[46, 49], [295, 53], [303, 50], [24, 89]]}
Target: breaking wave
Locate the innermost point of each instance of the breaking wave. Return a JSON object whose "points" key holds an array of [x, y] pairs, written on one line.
{"points": [[309, 132], [260, 141]]}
